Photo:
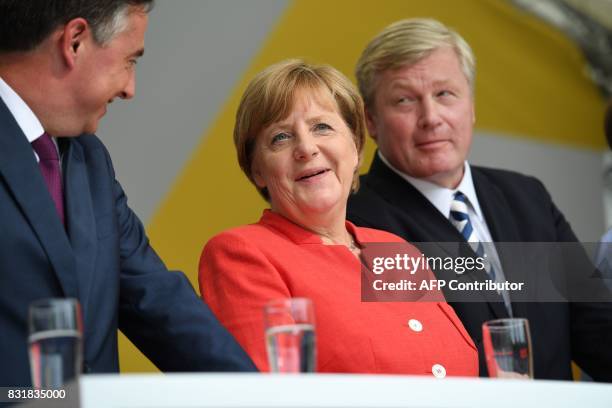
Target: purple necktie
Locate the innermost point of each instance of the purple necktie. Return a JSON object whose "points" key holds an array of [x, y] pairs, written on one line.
{"points": [[50, 167]]}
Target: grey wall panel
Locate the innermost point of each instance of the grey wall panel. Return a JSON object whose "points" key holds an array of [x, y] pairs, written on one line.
{"points": [[196, 50], [572, 176]]}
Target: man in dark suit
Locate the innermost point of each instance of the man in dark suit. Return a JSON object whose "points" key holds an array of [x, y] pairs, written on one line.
{"points": [[65, 227], [603, 258], [417, 80]]}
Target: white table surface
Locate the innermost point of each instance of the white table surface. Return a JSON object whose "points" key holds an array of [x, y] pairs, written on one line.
{"points": [[325, 390]]}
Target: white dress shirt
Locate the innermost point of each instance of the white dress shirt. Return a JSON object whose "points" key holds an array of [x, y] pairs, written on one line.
{"points": [[26, 119], [442, 197]]}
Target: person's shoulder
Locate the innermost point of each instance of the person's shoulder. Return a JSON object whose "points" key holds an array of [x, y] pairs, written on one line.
{"points": [[503, 174], [521, 190], [506, 178], [242, 231], [365, 198], [244, 235], [365, 190], [89, 142], [91, 147]]}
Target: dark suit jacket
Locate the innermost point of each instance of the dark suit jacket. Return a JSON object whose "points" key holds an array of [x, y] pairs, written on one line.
{"points": [[517, 208], [103, 259]]}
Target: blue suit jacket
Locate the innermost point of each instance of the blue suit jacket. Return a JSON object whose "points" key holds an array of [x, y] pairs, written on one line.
{"points": [[102, 258]]}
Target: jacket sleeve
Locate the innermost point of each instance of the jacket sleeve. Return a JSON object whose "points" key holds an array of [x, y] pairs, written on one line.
{"points": [[591, 322], [236, 279], [160, 312]]}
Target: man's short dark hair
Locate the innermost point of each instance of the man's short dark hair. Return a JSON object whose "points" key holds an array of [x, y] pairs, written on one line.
{"points": [[24, 24]]}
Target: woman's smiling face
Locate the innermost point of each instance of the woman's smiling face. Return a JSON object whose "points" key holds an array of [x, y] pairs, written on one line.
{"points": [[307, 160]]}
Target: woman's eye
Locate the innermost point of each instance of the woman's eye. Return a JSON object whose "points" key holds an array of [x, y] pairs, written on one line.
{"points": [[321, 127], [280, 137]]}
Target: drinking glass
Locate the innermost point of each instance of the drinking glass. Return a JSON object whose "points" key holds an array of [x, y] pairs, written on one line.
{"points": [[290, 335], [55, 331], [507, 347]]}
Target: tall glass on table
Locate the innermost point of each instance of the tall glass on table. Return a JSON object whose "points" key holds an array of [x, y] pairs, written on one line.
{"points": [[507, 347], [290, 335], [55, 332]]}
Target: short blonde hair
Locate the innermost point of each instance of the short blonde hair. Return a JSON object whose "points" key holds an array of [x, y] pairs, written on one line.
{"points": [[269, 97], [406, 42]]}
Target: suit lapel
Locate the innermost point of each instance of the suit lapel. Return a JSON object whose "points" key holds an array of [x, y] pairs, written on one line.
{"points": [[503, 227], [429, 226], [22, 175], [80, 217], [495, 208], [426, 223]]}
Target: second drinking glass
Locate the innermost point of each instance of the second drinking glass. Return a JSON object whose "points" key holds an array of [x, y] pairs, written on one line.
{"points": [[290, 335], [507, 347]]}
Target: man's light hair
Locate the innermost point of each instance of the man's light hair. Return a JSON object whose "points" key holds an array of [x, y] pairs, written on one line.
{"points": [[405, 43], [107, 30]]}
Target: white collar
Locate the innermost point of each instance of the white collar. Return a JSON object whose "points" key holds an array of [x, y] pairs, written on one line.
{"points": [[442, 197], [26, 119]]}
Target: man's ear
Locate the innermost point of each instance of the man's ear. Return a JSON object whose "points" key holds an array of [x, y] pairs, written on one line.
{"points": [[73, 39], [370, 122]]}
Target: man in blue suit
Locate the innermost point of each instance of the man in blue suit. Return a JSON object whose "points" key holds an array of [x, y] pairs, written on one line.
{"points": [[65, 227]]}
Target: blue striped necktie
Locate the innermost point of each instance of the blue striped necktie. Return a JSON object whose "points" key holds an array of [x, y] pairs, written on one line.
{"points": [[460, 218]]}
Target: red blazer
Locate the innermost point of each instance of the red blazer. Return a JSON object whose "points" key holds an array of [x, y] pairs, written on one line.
{"points": [[243, 268]]}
